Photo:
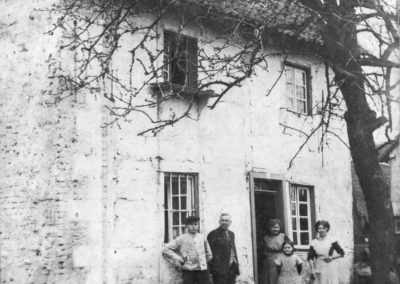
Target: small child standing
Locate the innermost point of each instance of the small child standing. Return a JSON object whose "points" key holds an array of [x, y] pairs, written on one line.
{"points": [[289, 265]]}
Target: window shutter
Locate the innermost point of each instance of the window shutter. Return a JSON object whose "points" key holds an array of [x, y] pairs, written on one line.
{"points": [[309, 95], [192, 62], [180, 59], [167, 56]]}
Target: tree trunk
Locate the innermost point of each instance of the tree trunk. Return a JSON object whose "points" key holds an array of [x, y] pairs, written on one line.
{"points": [[340, 40], [376, 192]]}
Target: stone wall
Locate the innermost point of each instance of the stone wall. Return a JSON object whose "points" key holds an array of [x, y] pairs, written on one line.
{"points": [[44, 236]]}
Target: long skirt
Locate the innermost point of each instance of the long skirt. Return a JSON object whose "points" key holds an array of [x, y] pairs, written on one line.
{"points": [[326, 273], [289, 278], [270, 273]]}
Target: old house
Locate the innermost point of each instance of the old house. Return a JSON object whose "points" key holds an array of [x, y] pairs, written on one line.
{"points": [[85, 200]]}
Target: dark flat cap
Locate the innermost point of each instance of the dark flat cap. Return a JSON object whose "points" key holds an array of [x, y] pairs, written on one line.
{"points": [[192, 219]]}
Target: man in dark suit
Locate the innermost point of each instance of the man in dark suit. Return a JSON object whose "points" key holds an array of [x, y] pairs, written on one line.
{"points": [[224, 265]]}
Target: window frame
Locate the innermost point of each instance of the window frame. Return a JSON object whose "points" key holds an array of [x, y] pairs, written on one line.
{"points": [[311, 212], [192, 202], [191, 50], [308, 97]]}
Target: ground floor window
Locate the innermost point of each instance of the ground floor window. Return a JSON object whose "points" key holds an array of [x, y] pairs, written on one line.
{"points": [[180, 200], [301, 214]]}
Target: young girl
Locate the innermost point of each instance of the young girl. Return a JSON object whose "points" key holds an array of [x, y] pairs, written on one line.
{"points": [[289, 265]]}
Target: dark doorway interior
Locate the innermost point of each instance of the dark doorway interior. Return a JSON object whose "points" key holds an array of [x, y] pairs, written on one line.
{"points": [[268, 204]]}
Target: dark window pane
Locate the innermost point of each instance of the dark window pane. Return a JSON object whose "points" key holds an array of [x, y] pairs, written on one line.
{"points": [[303, 195], [294, 223], [303, 210], [175, 188], [183, 203], [183, 217], [175, 203], [178, 72], [183, 185], [304, 238], [166, 191], [303, 224], [166, 227], [175, 218], [295, 238], [179, 64]]}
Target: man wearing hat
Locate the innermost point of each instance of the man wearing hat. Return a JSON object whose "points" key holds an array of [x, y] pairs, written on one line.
{"points": [[190, 252]]}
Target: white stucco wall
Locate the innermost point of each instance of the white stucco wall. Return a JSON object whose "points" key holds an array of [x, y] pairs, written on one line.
{"points": [[242, 134]]}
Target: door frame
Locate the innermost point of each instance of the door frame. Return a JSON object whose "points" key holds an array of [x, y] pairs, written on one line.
{"points": [[268, 176]]}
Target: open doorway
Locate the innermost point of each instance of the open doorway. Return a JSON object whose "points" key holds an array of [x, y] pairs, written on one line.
{"points": [[267, 203]]}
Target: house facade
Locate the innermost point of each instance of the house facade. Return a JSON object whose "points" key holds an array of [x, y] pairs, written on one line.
{"points": [[85, 203]]}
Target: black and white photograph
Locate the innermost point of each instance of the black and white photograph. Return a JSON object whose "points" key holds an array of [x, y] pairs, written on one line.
{"points": [[200, 142]]}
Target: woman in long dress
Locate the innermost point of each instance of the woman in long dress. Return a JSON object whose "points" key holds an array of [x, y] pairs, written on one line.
{"points": [[272, 248], [322, 257]]}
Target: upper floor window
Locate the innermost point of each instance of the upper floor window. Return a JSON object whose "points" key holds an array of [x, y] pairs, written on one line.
{"points": [[180, 59], [301, 214], [297, 89], [180, 201]]}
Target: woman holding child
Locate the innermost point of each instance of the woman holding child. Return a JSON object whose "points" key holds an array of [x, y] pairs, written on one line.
{"points": [[273, 242]]}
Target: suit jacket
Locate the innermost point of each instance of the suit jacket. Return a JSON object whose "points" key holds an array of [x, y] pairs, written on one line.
{"points": [[221, 248]]}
